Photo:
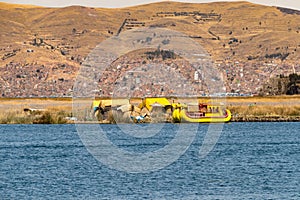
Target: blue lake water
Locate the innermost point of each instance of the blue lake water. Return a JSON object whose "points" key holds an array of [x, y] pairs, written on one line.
{"points": [[249, 161]]}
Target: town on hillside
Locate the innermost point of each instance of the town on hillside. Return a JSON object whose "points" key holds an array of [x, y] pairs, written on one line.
{"points": [[254, 54]]}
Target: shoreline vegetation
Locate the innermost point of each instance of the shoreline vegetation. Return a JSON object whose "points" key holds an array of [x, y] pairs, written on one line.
{"points": [[59, 110]]}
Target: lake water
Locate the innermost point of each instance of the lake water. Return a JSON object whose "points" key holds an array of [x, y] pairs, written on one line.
{"points": [[249, 161]]}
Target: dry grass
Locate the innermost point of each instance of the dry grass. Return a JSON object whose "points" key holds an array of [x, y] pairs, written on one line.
{"points": [[47, 117], [259, 110], [270, 99], [14, 117], [11, 110], [12, 114], [6, 6], [281, 106]]}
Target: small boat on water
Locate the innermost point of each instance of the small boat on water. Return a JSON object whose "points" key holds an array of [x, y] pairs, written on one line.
{"points": [[200, 113]]}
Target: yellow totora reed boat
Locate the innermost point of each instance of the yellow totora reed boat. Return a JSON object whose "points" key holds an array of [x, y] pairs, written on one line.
{"points": [[200, 113]]}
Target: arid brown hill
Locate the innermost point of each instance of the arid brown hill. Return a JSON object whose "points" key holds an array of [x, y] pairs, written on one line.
{"points": [[41, 48]]}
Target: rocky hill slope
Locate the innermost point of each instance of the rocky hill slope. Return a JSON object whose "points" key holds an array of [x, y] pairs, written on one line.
{"points": [[42, 48]]}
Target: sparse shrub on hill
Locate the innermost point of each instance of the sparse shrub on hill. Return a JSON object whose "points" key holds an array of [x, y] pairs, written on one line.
{"points": [[293, 85], [164, 54], [281, 56], [280, 85]]}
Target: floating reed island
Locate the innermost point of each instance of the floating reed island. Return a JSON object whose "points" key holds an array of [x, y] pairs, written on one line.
{"points": [[158, 110], [149, 110]]}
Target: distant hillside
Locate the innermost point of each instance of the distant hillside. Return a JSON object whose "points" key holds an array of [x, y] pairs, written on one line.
{"points": [[42, 48]]}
